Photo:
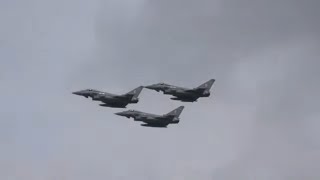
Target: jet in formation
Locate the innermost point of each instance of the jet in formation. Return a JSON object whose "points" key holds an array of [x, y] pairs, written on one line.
{"points": [[112, 100], [153, 120], [184, 94]]}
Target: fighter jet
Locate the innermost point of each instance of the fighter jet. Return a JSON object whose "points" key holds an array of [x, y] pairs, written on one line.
{"points": [[153, 120], [112, 100], [184, 94]]}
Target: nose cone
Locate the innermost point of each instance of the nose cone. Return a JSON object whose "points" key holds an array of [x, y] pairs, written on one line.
{"points": [[83, 93], [120, 114], [79, 93], [153, 87], [149, 87], [124, 114]]}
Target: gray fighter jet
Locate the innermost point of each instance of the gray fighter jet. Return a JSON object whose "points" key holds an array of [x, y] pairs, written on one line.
{"points": [[153, 120], [112, 100], [184, 94]]}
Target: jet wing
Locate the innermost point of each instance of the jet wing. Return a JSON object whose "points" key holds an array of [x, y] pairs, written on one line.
{"points": [[158, 121], [185, 98], [113, 104], [122, 97], [165, 118], [197, 90], [155, 125]]}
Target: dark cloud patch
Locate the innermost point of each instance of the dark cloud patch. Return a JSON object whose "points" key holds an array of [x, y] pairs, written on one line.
{"points": [[204, 37]]}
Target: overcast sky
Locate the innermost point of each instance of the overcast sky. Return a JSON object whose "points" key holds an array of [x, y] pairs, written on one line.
{"points": [[261, 122]]}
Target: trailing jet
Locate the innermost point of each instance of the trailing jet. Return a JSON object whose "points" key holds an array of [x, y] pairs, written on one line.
{"points": [[152, 120], [112, 100], [184, 94]]}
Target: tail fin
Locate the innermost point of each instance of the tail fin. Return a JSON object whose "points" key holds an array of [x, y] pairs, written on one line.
{"points": [[176, 112], [134, 93], [207, 85]]}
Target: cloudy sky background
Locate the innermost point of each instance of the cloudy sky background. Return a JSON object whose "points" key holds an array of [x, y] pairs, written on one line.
{"points": [[262, 121]]}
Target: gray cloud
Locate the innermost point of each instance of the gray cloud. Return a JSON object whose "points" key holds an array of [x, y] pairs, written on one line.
{"points": [[261, 122]]}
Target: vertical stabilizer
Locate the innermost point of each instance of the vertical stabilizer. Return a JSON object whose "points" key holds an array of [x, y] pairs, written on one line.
{"points": [[207, 85], [176, 112], [134, 93]]}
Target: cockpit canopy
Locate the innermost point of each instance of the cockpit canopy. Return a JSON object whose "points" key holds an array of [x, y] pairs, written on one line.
{"points": [[91, 90]]}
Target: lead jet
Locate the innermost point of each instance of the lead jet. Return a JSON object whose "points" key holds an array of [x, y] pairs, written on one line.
{"points": [[153, 120], [184, 94], [112, 100]]}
